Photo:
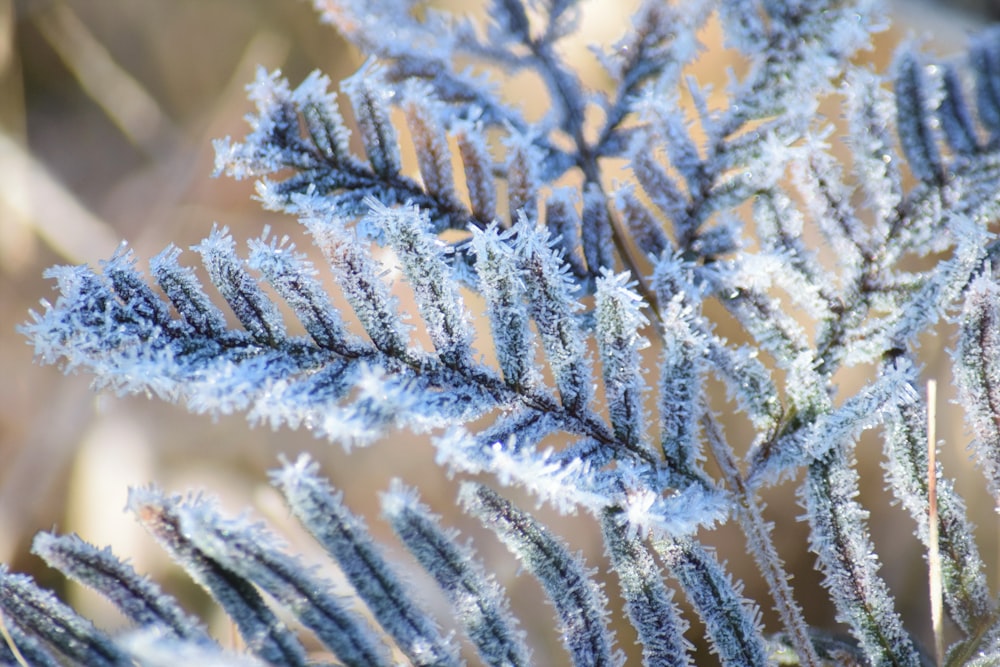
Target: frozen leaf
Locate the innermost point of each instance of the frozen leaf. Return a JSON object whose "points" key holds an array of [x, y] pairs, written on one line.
{"points": [[870, 111], [595, 230], [138, 598], [505, 292], [523, 184], [915, 97], [962, 570], [478, 165], [732, 623], [985, 59], [185, 293], [642, 224], [322, 117], [370, 100], [294, 278], [476, 597], [840, 539], [552, 307], [346, 538], [249, 303], [433, 155], [648, 602], [265, 635], [39, 613], [977, 372], [955, 115], [564, 224], [423, 262], [251, 552], [357, 273], [579, 602]]}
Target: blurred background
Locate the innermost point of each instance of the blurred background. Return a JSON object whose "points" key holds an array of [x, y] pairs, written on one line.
{"points": [[107, 112]]}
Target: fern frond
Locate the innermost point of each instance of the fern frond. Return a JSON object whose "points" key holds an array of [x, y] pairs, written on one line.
{"points": [[39, 613], [579, 603], [138, 598], [840, 539], [743, 248], [346, 538], [263, 632], [477, 598]]}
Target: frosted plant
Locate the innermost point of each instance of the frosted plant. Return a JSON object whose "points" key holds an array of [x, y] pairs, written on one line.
{"points": [[575, 282]]}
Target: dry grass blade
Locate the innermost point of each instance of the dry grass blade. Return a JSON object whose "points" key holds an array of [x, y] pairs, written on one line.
{"points": [[5, 633], [934, 556]]}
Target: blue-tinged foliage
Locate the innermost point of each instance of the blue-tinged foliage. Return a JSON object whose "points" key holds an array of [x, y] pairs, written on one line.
{"points": [[648, 601], [140, 600], [424, 266], [346, 538], [39, 613], [477, 598], [294, 278], [619, 320], [984, 57], [732, 624], [578, 601], [725, 232], [264, 634], [504, 291], [977, 369], [840, 538], [963, 575]]}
